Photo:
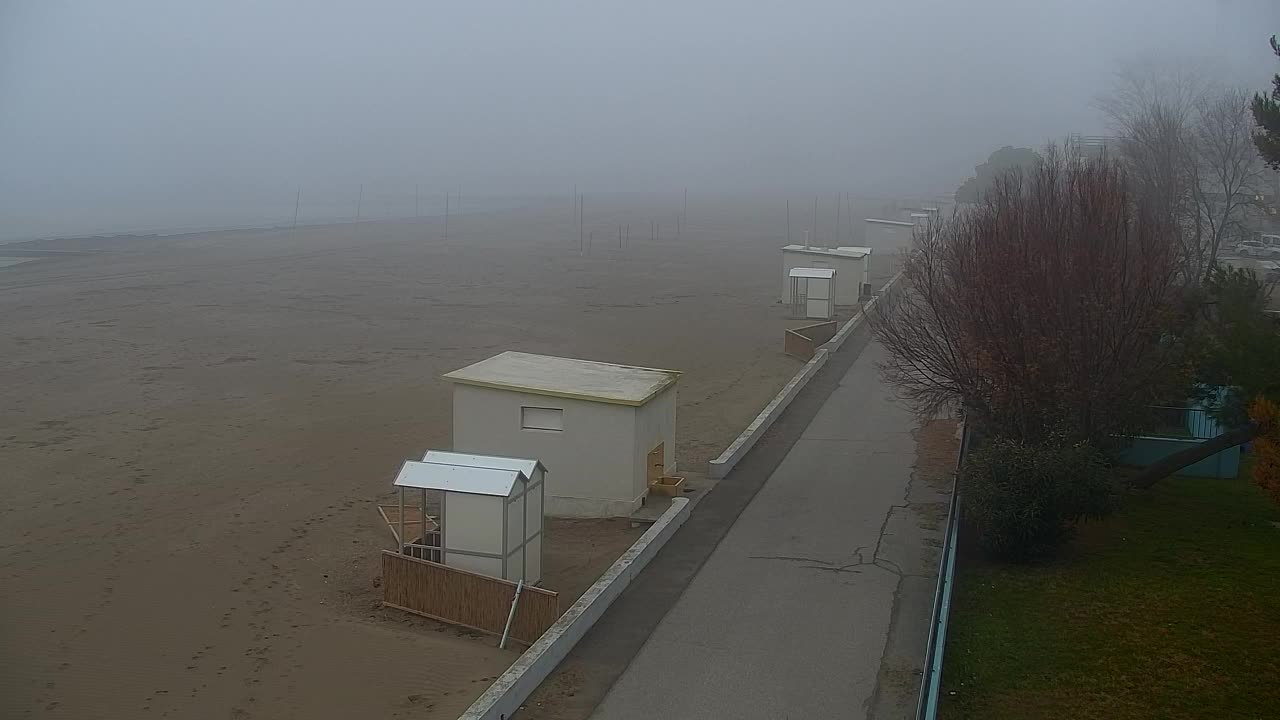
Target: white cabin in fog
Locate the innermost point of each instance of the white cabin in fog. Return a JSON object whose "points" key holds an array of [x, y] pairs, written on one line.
{"points": [[605, 430], [851, 265]]}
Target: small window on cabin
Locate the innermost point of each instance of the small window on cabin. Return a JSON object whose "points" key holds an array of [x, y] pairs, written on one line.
{"points": [[538, 418]]}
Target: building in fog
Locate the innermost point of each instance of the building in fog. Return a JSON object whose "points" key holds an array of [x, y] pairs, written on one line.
{"points": [[852, 266], [604, 431]]}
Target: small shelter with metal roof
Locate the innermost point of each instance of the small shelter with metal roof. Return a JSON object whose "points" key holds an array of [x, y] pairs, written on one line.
{"points": [[491, 511], [851, 264], [813, 293], [608, 430]]}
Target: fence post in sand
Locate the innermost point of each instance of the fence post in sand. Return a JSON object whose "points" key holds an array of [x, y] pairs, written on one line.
{"points": [[502, 644]]}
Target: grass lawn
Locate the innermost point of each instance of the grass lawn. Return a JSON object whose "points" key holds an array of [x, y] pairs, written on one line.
{"points": [[1169, 609]]}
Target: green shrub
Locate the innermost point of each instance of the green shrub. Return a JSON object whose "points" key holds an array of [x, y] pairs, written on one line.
{"points": [[1025, 501]]}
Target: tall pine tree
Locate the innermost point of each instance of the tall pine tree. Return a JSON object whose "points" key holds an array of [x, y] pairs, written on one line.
{"points": [[1266, 112]]}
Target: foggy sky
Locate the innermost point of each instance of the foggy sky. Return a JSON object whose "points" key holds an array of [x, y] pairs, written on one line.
{"points": [[535, 96]]}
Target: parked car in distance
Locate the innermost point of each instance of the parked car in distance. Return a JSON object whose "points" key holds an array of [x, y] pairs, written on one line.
{"points": [[1256, 249]]}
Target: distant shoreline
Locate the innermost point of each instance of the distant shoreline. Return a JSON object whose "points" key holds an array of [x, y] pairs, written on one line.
{"points": [[6, 249]]}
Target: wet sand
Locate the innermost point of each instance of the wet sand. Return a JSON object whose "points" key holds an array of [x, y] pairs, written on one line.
{"points": [[196, 429]]}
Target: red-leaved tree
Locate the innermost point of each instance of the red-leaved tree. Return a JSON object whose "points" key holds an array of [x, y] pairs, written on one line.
{"points": [[1045, 311]]}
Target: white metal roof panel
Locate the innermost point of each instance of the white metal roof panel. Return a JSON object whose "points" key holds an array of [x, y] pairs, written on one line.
{"points": [[457, 478], [443, 457], [856, 249], [567, 378], [889, 222], [827, 273], [851, 252]]}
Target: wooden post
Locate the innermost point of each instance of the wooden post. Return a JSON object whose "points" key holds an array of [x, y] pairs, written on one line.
{"points": [[296, 201], [415, 200], [359, 202], [446, 217]]}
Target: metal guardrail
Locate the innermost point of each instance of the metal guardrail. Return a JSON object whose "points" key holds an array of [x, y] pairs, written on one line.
{"points": [[1198, 423], [931, 679]]}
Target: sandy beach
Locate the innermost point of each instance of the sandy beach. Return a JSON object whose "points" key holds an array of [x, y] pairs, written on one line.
{"points": [[196, 429]]}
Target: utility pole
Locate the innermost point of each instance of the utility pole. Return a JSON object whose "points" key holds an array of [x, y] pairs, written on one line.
{"points": [[814, 227], [848, 201], [838, 218]]}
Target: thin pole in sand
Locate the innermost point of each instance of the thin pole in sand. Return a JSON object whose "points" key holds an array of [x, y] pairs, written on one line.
{"points": [[296, 201], [838, 201], [459, 197], [359, 202], [814, 227], [848, 201], [619, 236], [446, 217], [788, 221], [415, 203], [628, 233], [581, 201], [684, 216]]}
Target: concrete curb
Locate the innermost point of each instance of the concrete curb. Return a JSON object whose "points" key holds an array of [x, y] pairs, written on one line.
{"points": [[513, 687], [747, 438]]}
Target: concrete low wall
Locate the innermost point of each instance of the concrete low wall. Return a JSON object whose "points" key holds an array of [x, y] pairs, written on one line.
{"points": [[514, 686], [748, 438]]}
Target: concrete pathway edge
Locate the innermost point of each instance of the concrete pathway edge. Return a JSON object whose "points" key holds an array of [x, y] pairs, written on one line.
{"points": [[514, 686], [742, 444]]}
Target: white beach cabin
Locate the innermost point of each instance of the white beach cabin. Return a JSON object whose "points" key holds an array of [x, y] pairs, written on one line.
{"points": [[490, 513], [888, 235], [607, 430], [851, 264], [813, 293]]}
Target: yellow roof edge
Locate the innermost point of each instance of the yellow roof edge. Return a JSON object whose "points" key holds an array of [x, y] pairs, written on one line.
{"points": [[568, 395]]}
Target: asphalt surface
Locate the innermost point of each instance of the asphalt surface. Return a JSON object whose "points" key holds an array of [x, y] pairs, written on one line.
{"points": [[790, 615]]}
